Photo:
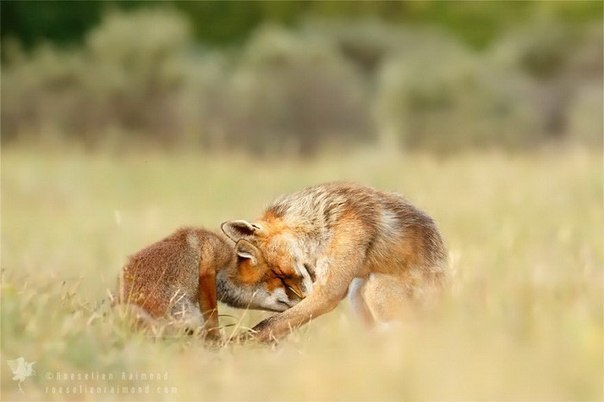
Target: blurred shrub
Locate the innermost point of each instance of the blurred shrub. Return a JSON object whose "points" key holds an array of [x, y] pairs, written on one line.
{"points": [[134, 74], [139, 78], [295, 93], [364, 43], [561, 59], [38, 92], [128, 79], [585, 115], [585, 71], [435, 94]]}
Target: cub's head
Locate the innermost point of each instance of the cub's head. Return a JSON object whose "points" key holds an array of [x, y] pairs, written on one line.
{"points": [[266, 275]]}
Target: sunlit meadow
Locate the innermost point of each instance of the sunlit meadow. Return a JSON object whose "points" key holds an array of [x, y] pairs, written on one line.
{"points": [[522, 320]]}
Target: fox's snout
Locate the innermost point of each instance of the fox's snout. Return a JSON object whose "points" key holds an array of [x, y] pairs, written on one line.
{"points": [[278, 300]]}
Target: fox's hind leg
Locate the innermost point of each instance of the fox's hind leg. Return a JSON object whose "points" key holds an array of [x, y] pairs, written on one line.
{"points": [[357, 301], [394, 298], [186, 317], [137, 316], [386, 297]]}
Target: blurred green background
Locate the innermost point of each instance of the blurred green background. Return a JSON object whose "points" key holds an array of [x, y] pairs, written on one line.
{"points": [[298, 78]]}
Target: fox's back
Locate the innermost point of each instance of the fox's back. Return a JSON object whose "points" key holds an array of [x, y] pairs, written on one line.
{"points": [[397, 233]]}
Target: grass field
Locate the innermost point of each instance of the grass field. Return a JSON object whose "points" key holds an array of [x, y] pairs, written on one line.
{"points": [[523, 320]]}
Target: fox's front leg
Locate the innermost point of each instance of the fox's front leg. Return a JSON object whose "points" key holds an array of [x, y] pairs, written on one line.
{"points": [[334, 275], [279, 325], [207, 299]]}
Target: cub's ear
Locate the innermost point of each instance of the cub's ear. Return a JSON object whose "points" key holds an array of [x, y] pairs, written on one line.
{"points": [[240, 229], [247, 250]]}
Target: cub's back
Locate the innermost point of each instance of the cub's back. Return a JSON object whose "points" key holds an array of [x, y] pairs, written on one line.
{"points": [[158, 275]]}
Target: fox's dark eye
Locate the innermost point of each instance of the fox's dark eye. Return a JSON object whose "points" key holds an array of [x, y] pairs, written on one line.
{"points": [[294, 291], [291, 288]]}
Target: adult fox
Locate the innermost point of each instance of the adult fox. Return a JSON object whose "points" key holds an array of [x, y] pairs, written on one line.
{"points": [[340, 238]]}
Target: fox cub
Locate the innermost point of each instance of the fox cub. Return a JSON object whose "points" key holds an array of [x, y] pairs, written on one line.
{"points": [[338, 239], [176, 279]]}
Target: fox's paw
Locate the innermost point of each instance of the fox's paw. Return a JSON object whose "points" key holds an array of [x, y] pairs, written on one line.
{"points": [[265, 331], [253, 336], [212, 336], [245, 337]]}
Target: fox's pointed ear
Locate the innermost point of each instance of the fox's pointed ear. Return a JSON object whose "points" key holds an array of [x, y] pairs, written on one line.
{"points": [[240, 229], [247, 250]]}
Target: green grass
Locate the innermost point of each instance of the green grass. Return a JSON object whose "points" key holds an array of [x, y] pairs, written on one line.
{"points": [[523, 320]]}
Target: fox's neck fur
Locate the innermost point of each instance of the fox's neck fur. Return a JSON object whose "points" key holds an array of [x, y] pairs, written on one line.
{"points": [[229, 293]]}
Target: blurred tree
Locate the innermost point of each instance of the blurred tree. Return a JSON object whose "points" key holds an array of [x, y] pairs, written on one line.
{"points": [[223, 23], [58, 21]]}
